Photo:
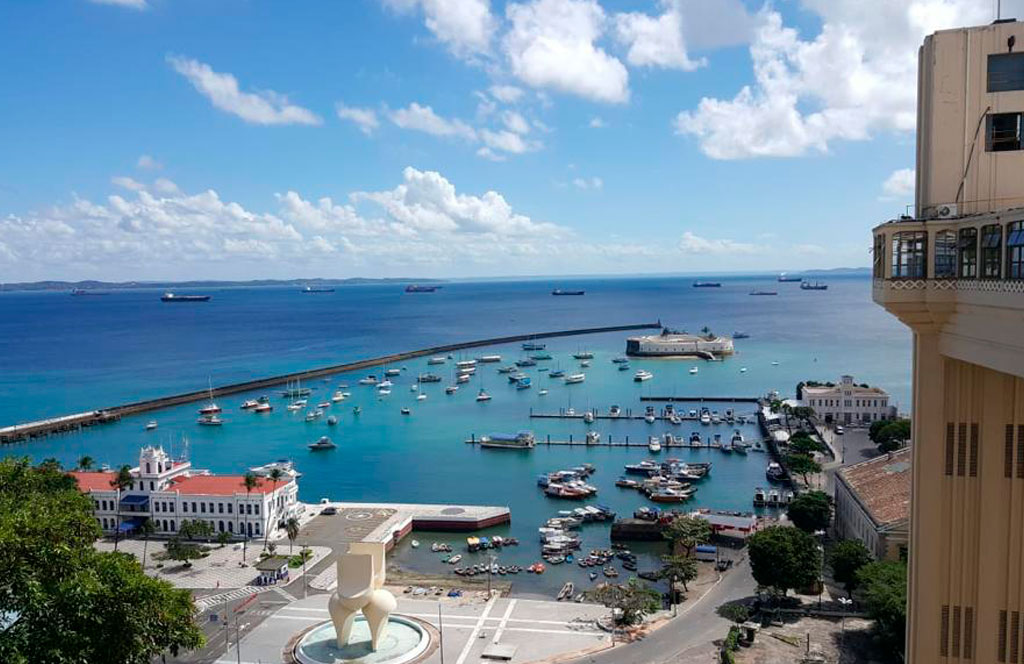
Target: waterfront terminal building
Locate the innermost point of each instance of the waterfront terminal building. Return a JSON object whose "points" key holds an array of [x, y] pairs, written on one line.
{"points": [[169, 492], [872, 504], [954, 273], [679, 344], [847, 402]]}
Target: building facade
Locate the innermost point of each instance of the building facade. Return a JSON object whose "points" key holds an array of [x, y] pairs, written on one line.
{"points": [[169, 492], [954, 273], [679, 344], [847, 402], [872, 504]]}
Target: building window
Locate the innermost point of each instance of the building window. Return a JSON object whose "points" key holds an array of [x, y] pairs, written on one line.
{"points": [[909, 249], [945, 254], [968, 250], [1003, 132], [220, 508], [1015, 250], [229, 508], [991, 251], [202, 507], [257, 510], [1005, 72], [879, 257]]}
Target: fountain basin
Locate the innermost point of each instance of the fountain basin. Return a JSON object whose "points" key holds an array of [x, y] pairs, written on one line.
{"points": [[404, 642]]}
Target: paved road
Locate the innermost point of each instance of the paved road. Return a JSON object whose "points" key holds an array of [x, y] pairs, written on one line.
{"points": [[688, 637]]}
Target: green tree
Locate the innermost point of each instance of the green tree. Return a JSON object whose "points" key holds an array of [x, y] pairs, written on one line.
{"points": [[183, 551], [811, 511], [196, 529], [891, 436], [146, 529], [883, 589], [223, 537], [68, 602], [681, 569], [634, 599], [802, 464], [686, 532], [250, 481], [291, 527], [847, 558], [783, 558], [802, 443], [86, 462], [122, 480]]}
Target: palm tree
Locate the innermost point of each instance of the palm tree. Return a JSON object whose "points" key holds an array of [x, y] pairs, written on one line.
{"points": [[250, 481], [291, 527], [86, 462], [146, 529], [121, 481], [275, 475]]}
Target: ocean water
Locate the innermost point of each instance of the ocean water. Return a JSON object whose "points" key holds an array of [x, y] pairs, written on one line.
{"points": [[62, 354]]}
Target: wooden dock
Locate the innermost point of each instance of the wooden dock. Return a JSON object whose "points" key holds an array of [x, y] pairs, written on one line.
{"points": [[702, 399], [19, 432], [605, 442]]}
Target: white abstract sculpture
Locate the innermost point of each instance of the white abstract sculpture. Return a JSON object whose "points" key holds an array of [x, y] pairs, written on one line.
{"points": [[361, 574]]}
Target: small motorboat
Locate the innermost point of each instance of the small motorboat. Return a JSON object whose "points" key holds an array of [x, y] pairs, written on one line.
{"points": [[210, 420], [483, 396], [324, 404], [588, 417], [150, 425], [249, 404], [324, 443], [357, 409], [649, 418], [451, 389], [653, 444], [693, 370], [421, 397], [338, 396], [592, 575], [542, 392], [332, 420], [415, 544], [263, 407], [406, 411]]}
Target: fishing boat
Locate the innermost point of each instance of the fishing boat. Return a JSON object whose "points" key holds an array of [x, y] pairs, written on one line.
{"points": [[415, 288], [150, 425], [210, 420], [324, 443], [707, 284], [172, 297], [785, 279], [317, 289], [575, 378], [641, 375], [806, 285], [523, 440], [482, 395], [653, 444]]}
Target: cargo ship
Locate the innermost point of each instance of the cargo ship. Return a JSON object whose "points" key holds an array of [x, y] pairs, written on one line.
{"points": [[707, 284], [317, 289], [815, 286], [414, 288], [785, 279], [559, 291], [171, 297]]}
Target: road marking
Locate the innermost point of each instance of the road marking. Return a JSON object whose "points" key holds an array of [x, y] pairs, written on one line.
{"points": [[504, 621], [285, 594], [207, 603], [476, 630]]}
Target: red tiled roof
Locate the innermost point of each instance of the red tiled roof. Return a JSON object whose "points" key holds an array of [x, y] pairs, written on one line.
{"points": [[882, 485], [219, 485], [93, 480]]}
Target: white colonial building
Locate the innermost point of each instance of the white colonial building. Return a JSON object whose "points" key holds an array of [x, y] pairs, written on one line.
{"points": [[847, 402], [169, 492]]}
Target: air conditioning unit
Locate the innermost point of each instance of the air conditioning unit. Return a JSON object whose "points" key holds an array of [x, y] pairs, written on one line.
{"points": [[946, 211]]}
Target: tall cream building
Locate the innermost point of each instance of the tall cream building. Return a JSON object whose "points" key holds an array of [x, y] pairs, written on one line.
{"points": [[954, 273]]}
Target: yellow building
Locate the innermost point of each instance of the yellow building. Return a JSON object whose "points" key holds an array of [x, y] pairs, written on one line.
{"points": [[954, 273]]}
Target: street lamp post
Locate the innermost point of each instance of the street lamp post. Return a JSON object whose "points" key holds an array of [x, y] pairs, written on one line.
{"points": [[845, 601]]}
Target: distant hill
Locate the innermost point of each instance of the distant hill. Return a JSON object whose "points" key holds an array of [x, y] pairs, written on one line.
{"points": [[176, 285], [839, 271]]}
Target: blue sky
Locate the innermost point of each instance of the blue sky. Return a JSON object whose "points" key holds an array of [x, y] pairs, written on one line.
{"points": [[164, 139]]}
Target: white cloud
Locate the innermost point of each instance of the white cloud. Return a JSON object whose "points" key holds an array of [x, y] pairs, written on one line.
{"points": [[130, 4], [165, 186], [507, 141], [126, 182], [265, 107], [515, 122], [423, 118], [856, 77], [694, 244], [591, 183], [552, 44], [489, 154], [656, 41], [466, 27], [364, 118], [597, 123], [900, 183], [507, 94], [148, 163]]}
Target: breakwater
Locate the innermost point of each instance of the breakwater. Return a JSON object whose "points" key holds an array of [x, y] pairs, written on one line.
{"points": [[69, 423]]}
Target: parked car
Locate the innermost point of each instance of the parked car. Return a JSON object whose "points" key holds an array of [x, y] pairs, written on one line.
{"points": [[329, 511], [839, 430]]}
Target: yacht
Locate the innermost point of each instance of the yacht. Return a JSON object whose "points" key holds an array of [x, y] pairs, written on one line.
{"points": [[533, 346], [486, 359], [593, 438], [557, 373], [505, 370], [312, 415], [526, 363], [649, 418], [384, 391], [451, 389], [385, 384], [421, 397], [284, 465], [675, 419], [642, 375], [523, 383], [436, 360], [583, 355], [738, 444], [705, 416], [653, 444], [743, 370], [391, 373], [414, 388], [482, 395], [465, 364], [695, 438], [297, 405], [171, 297], [263, 407], [693, 370], [324, 443], [406, 410], [210, 420], [774, 472], [624, 367], [249, 404], [462, 378], [369, 380], [150, 425], [542, 392], [614, 411], [338, 396], [575, 378], [523, 440], [588, 417], [323, 405], [620, 360], [428, 378]]}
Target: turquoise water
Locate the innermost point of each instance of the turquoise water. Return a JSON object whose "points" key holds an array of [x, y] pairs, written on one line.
{"points": [[63, 354]]}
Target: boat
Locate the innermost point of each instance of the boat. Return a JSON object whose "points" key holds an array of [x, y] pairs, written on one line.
{"points": [[210, 420], [624, 367], [610, 572], [462, 378], [763, 292], [263, 407], [707, 284], [465, 364], [211, 408], [785, 279], [614, 411], [526, 363], [357, 409], [592, 438], [560, 291], [523, 383], [588, 417], [584, 355], [317, 289], [487, 359], [482, 395], [565, 592], [415, 288], [523, 440], [653, 444], [760, 497], [150, 425], [324, 443], [542, 393], [575, 378], [505, 370], [428, 378], [312, 415], [368, 380], [737, 443], [172, 297], [531, 345], [557, 373], [406, 410], [693, 370], [675, 419], [421, 397], [743, 370], [284, 465], [540, 357], [620, 360], [451, 389], [641, 375], [249, 404], [592, 575], [705, 416], [436, 360], [513, 378], [774, 472], [324, 405], [806, 285], [649, 418], [645, 467], [584, 363], [332, 420], [740, 335], [338, 396]]}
